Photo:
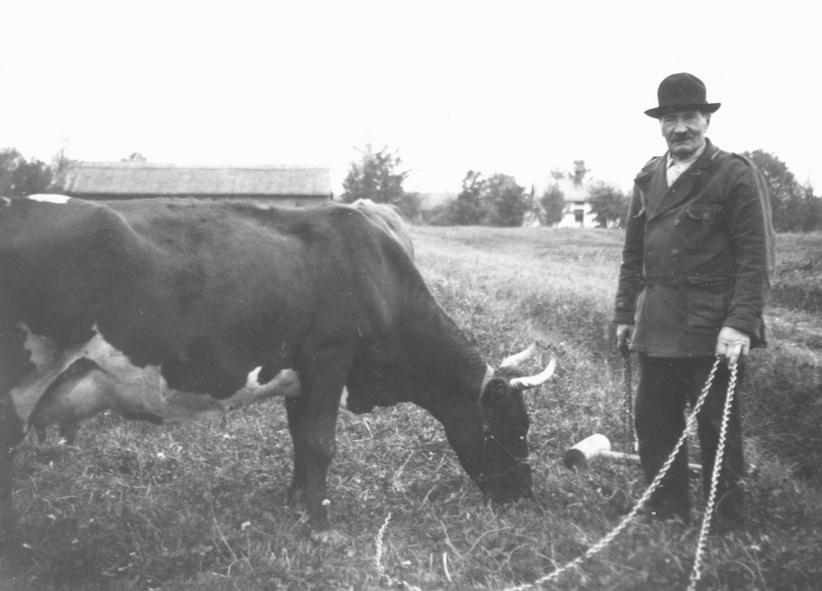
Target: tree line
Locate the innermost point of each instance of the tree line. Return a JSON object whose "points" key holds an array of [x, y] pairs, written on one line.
{"points": [[19, 176], [496, 200], [499, 201]]}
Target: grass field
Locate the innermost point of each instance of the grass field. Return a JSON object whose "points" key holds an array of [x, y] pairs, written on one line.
{"points": [[202, 506]]}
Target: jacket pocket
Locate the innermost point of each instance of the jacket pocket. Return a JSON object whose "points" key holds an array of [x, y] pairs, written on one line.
{"points": [[703, 228], [707, 309], [713, 282], [704, 212]]}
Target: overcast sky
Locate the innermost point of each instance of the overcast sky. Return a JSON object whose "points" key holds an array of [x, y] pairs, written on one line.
{"points": [[513, 87]]}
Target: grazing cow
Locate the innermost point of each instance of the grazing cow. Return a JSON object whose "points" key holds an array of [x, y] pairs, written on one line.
{"points": [[163, 310]]}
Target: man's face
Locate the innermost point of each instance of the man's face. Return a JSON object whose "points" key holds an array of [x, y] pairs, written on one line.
{"points": [[684, 131]]}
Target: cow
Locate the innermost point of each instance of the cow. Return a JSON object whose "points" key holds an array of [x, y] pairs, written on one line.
{"points": [[165, 310]]}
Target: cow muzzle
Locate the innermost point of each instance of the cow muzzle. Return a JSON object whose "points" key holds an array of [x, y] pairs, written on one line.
{"points": [[506, 477], [508, 486]]}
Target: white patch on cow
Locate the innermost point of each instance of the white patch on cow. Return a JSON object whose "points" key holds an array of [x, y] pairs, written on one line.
{"points": [[124, 388], [49, 363], [49, 198]]}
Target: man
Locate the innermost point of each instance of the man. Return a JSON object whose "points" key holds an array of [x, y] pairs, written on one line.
{"points": [[692, 283]]}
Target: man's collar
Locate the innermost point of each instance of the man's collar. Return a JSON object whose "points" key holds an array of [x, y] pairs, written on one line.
{"points": [[690, 159], [659, 163]]}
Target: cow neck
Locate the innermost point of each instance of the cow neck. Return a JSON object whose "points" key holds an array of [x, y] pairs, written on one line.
{"points": [[449, 355]]}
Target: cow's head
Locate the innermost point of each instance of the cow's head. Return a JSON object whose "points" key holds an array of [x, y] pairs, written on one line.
{"points": [[495, 452], [503, 473]]}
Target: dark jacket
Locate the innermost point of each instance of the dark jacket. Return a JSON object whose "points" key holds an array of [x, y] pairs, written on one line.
{"points": [[695, 256]]}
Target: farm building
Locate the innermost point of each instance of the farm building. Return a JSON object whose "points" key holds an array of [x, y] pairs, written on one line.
{"points": [[577, 212], [275, 185]]}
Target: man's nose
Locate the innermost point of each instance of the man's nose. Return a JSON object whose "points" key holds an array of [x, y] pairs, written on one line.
{"points": [[679, 126]]}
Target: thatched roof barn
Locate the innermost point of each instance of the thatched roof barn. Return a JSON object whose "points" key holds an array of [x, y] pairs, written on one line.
{"points": [[288, 186]]}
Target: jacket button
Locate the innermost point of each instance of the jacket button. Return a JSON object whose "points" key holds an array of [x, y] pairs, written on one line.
{"points": [[676, 222], [675, 252]]}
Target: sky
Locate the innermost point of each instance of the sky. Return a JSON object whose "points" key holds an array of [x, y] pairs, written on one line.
{"points": [[513, 87]]}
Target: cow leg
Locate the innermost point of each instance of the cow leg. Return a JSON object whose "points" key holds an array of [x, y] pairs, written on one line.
{"points": [[9, 424], [14, 364], [7, 523], [297, 488], [68, 430], [312, 422]]}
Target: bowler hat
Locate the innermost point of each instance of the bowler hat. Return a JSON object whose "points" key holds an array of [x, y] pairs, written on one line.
{"points": [[681, 92]]}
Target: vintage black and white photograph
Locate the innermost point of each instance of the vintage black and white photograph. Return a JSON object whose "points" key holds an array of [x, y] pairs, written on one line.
{"points": [[371, 295]]}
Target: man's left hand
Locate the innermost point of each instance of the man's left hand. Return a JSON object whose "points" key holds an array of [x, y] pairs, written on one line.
{"points": [[732, 344]]}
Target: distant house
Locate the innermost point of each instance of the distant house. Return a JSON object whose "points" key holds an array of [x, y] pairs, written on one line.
{"points": [[577, 195], [274, 185], [578, 212]]}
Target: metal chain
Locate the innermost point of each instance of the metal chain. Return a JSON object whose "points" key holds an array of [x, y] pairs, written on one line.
{"points": [[696, 571], [631, 442], [378, 543], [655, 483], [378, 546]]}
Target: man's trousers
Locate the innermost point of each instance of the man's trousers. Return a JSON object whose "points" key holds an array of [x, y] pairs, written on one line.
{"points": [[666, 385]]}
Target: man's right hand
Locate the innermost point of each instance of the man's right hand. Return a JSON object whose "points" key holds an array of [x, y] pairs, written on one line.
{"points": [[624, 332]]}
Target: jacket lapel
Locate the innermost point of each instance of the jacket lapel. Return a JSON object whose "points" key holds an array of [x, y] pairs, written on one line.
{"points": [[684, 186], [647, 181]]}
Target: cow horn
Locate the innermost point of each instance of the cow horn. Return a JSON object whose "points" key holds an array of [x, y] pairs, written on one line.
{"points": [[526, 382], [518, 359]]}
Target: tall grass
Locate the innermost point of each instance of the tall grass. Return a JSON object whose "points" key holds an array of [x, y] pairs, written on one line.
{"points": [[202, 506]]}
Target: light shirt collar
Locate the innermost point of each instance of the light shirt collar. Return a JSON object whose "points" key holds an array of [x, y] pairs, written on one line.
{"points": [[675, 167]]}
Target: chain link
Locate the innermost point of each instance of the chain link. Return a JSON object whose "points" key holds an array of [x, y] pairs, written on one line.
{"points": [[378, 546], [655, 483], [631, 443], [378, 543], [696, 571]]}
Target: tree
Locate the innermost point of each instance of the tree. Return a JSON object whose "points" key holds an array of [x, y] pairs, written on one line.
{"points": [[580, 170], [551, 206], [608, 204], [504, 201], [790, 203], [9, 161], [376, 177], [466, 209], [813, 219], [410, 206], [19, 177]]}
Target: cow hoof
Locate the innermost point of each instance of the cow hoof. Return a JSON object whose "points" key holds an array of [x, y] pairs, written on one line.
{"points": [[329, 537]]}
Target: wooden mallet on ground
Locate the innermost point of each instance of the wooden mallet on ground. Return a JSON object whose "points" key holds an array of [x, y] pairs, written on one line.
{"points": [[598, 446]]}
